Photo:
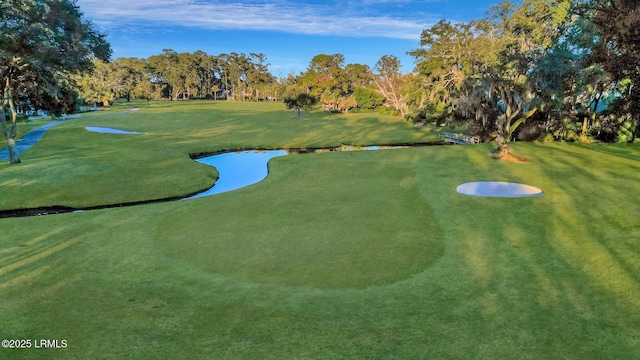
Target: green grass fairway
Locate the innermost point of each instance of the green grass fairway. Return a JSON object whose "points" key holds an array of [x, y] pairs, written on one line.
{"points": [[74, 167], [341, 255]]}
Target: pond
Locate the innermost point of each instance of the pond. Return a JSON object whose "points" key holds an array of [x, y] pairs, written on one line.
{"points": [[238, 169], [243, 168]]}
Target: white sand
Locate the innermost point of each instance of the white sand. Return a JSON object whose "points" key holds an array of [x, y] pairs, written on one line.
{"points": [[498, 189]]}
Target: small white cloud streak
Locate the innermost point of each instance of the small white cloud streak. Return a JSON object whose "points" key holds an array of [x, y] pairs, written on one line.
{"points": [[281, 17]]}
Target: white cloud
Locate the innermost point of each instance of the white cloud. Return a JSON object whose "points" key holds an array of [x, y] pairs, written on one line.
{"points": [[281, 16]]}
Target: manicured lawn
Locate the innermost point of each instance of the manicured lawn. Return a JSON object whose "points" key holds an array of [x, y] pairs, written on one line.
{"points": [[358, 255], [74, 167]]}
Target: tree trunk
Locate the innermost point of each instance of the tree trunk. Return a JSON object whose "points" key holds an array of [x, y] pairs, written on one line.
{"points": [[14, 157], [592, 118], [9, 135], [503, 148], [503, 134]]}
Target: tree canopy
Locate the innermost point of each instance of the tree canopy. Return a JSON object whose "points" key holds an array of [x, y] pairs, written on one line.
{"points": [[557, 61], [42, 42], [528, 69]]}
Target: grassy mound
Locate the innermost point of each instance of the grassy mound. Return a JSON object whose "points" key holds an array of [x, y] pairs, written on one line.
{"points": [[341, 221]]}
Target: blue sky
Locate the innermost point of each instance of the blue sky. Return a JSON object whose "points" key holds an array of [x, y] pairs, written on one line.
{"points": [[288, 32]]}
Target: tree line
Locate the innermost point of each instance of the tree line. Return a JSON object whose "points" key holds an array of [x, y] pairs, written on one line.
{"points": [[239, 77], [564, 69], [178, 76], [531, 69]]}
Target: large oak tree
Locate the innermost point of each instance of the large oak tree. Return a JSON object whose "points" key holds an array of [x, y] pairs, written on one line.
{"points": [[42, 42]]}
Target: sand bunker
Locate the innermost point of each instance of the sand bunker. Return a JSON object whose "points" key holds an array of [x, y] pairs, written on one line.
{"points": [[111, 130], [498, 189]]}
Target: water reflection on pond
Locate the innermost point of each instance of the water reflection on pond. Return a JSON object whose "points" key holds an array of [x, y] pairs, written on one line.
{"points": [[238, 169], [243, 168]]}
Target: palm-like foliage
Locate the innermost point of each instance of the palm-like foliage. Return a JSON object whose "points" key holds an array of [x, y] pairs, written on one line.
{"points": [[499, 105]]}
